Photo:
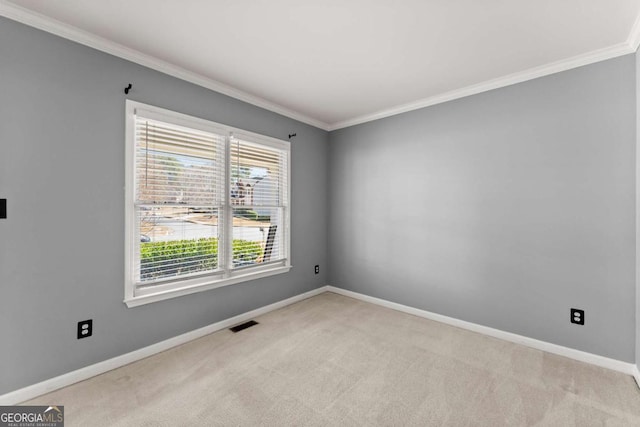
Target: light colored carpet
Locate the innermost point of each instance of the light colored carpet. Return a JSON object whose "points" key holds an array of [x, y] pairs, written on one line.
{"points": [[332, 360]]}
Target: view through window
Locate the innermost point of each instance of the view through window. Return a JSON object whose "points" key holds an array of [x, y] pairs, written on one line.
{"points": [[209, 203]]}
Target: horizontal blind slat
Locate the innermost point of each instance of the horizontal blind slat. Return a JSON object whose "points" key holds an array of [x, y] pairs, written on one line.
{"points": [[175, 164], [180, 185]]}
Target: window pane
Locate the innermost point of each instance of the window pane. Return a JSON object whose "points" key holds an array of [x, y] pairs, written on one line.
{"points": [[207, 204], [257, 235], [179, 189], [175, 165], [258, 175], [177, 241]]}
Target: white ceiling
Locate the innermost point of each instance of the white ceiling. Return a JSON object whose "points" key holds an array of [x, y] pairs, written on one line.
{"points": [[334, 63]]}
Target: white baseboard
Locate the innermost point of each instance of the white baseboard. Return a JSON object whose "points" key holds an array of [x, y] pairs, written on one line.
{"points": [[582, 356], [636, 375], [82, 374]]}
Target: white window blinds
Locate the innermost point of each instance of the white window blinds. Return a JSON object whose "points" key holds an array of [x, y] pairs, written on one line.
{"points": [[179, 199], [258, 194], [207, 205], [176, 165]]}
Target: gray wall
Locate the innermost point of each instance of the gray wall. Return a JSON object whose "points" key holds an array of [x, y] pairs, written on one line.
{"points": [[62, 171], [637, 234], [504, 209]]}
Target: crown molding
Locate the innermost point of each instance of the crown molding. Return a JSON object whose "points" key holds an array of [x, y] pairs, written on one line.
{"points": [[508, 80], [634, 36], [50, 25], [53, 26]]}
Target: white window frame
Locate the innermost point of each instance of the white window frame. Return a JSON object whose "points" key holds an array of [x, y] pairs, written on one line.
{"points": [[136, 295]]}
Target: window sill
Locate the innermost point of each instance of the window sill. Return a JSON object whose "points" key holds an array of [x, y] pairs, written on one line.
{"points": [[201, 287]]}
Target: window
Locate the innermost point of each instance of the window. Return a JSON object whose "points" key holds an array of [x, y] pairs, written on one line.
{"points": [[207, 205]]}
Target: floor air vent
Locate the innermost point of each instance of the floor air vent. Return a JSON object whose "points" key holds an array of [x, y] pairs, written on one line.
{"points": [[244, 325]]}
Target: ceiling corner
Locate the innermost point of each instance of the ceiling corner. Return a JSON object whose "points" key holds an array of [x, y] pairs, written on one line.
{"points": [[634, 35]]}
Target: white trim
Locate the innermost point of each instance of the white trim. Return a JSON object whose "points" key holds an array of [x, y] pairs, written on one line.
{"points": [[199, 285], [130, 227], [227, 275], [82, 374], [634, 35], [53, 26], [135, 108], [582, 356], [511, 79], [256, 138], [636, 375], [47, 386], [50, 25]]}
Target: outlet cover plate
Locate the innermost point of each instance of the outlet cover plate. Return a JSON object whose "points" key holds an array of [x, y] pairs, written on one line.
{"points": [[577, 316], [85, 328]]}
